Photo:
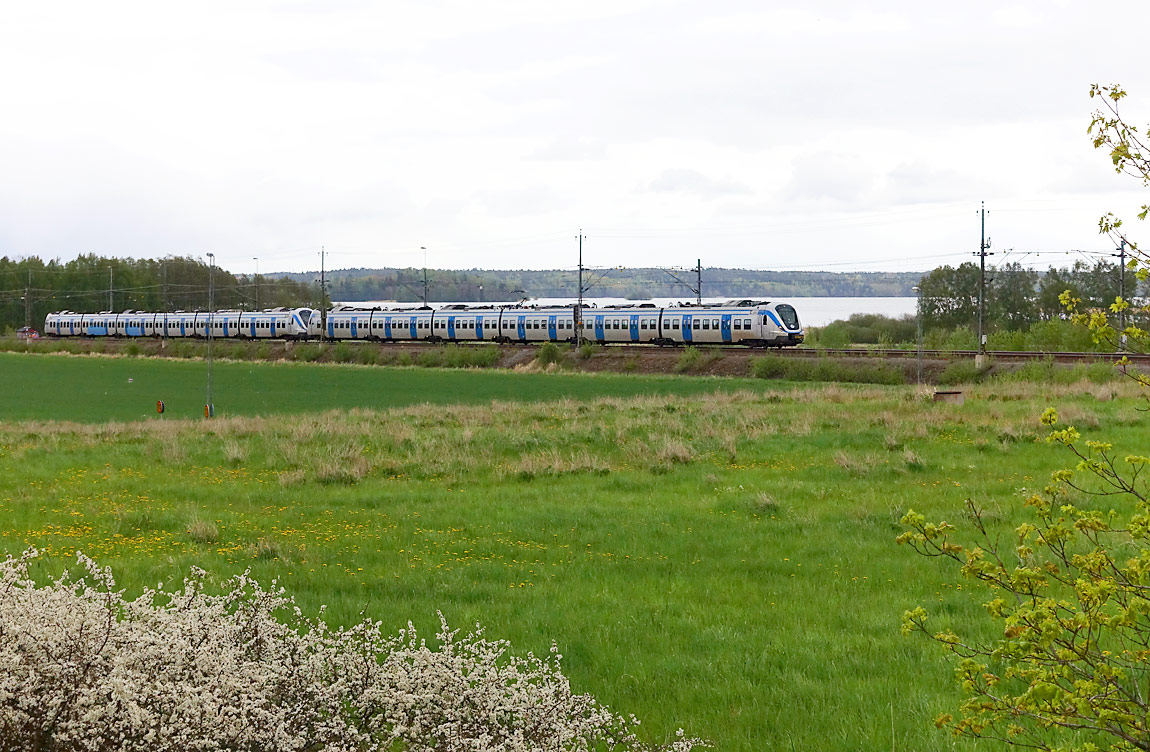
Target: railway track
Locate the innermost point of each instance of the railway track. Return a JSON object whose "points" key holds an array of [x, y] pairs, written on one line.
{"points": [[1009, 356]]}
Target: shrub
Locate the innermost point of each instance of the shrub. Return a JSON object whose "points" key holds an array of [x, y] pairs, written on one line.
{"points": [[86, 669], [961, 372], [342, 353], [768, 367], [132, 349], [1006, 341], [688, 360], [825, 369], [833, 335], [367, 355], [430, 359], [548, 354], [307, 353]]}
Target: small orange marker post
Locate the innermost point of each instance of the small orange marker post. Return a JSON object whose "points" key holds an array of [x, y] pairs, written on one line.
{"points": [[160, 406]]}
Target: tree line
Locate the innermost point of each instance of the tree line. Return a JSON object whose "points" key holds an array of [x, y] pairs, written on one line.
{"points": [[1017, 297]]}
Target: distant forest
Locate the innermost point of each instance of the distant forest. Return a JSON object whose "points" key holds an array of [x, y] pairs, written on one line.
{"points": [[406, 285]]}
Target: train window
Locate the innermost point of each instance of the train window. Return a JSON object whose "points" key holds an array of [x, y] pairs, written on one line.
{"points": [[643, 324], [706, 323], [715, 323], [738, 323], [695, 324], [674, 323], [746, 323]]}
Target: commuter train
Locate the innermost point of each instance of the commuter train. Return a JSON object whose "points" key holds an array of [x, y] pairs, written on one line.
{"points": [[753, 323]]}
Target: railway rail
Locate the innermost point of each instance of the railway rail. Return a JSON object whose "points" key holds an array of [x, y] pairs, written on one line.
{"points": [[1000, 355]]}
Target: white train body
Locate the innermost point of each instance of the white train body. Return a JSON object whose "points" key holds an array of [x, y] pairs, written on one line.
{"points": [[278, 323], [755, 323], [746, 322]]}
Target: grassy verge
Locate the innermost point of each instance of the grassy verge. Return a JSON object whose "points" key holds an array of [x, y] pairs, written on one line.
{"points": [[721, 561], [99, 389]]}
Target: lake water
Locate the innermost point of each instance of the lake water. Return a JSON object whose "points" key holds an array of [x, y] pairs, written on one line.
{"points": [[812, 311]]}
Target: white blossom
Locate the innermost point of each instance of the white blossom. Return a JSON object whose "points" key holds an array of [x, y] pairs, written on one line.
{"points": [[82, 669]]}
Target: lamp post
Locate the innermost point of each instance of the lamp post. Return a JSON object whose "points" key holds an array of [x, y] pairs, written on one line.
{"points": [[257, 281], [918, 328], [209, 408]]}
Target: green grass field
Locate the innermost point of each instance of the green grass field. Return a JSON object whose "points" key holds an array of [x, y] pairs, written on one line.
{"points": [[93, 389], [713, 555]]}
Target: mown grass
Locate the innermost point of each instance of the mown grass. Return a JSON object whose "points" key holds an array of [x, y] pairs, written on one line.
{"points": [[721, 561], [110, 388]]}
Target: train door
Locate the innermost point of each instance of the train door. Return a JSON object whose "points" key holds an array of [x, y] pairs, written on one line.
{"points": [[521, 328], [551, 328], [599, 334], [634, 327], [451, 327], [478, 327], [687, 335], [725, 327]]}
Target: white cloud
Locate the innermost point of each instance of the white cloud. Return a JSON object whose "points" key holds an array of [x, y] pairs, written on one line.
{"points": [[682, 180]]}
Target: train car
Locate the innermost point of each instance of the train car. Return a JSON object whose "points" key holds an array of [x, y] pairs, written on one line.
{"points": [[745, 322], [278, 323]]}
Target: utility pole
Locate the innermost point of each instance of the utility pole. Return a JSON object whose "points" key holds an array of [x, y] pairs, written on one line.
{"points": [[918, 328], [256, 279], [1122, 293], [322, 296], [28, 301], [982, 254], [109, 289], [209, 408], [579, 305], [424, 275]]}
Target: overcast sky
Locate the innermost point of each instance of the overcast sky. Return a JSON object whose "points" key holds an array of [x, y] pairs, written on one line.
{"points": [[827, 136]]}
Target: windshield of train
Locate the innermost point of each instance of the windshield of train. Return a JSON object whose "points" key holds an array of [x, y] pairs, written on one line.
{"points": [[305, 316], [788, 315]]}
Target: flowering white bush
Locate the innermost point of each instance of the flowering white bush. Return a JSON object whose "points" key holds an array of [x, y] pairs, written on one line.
{"points": [[83, 669]]}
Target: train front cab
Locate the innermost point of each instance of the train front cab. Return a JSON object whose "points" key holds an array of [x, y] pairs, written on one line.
{"points": [[780, 325]]}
